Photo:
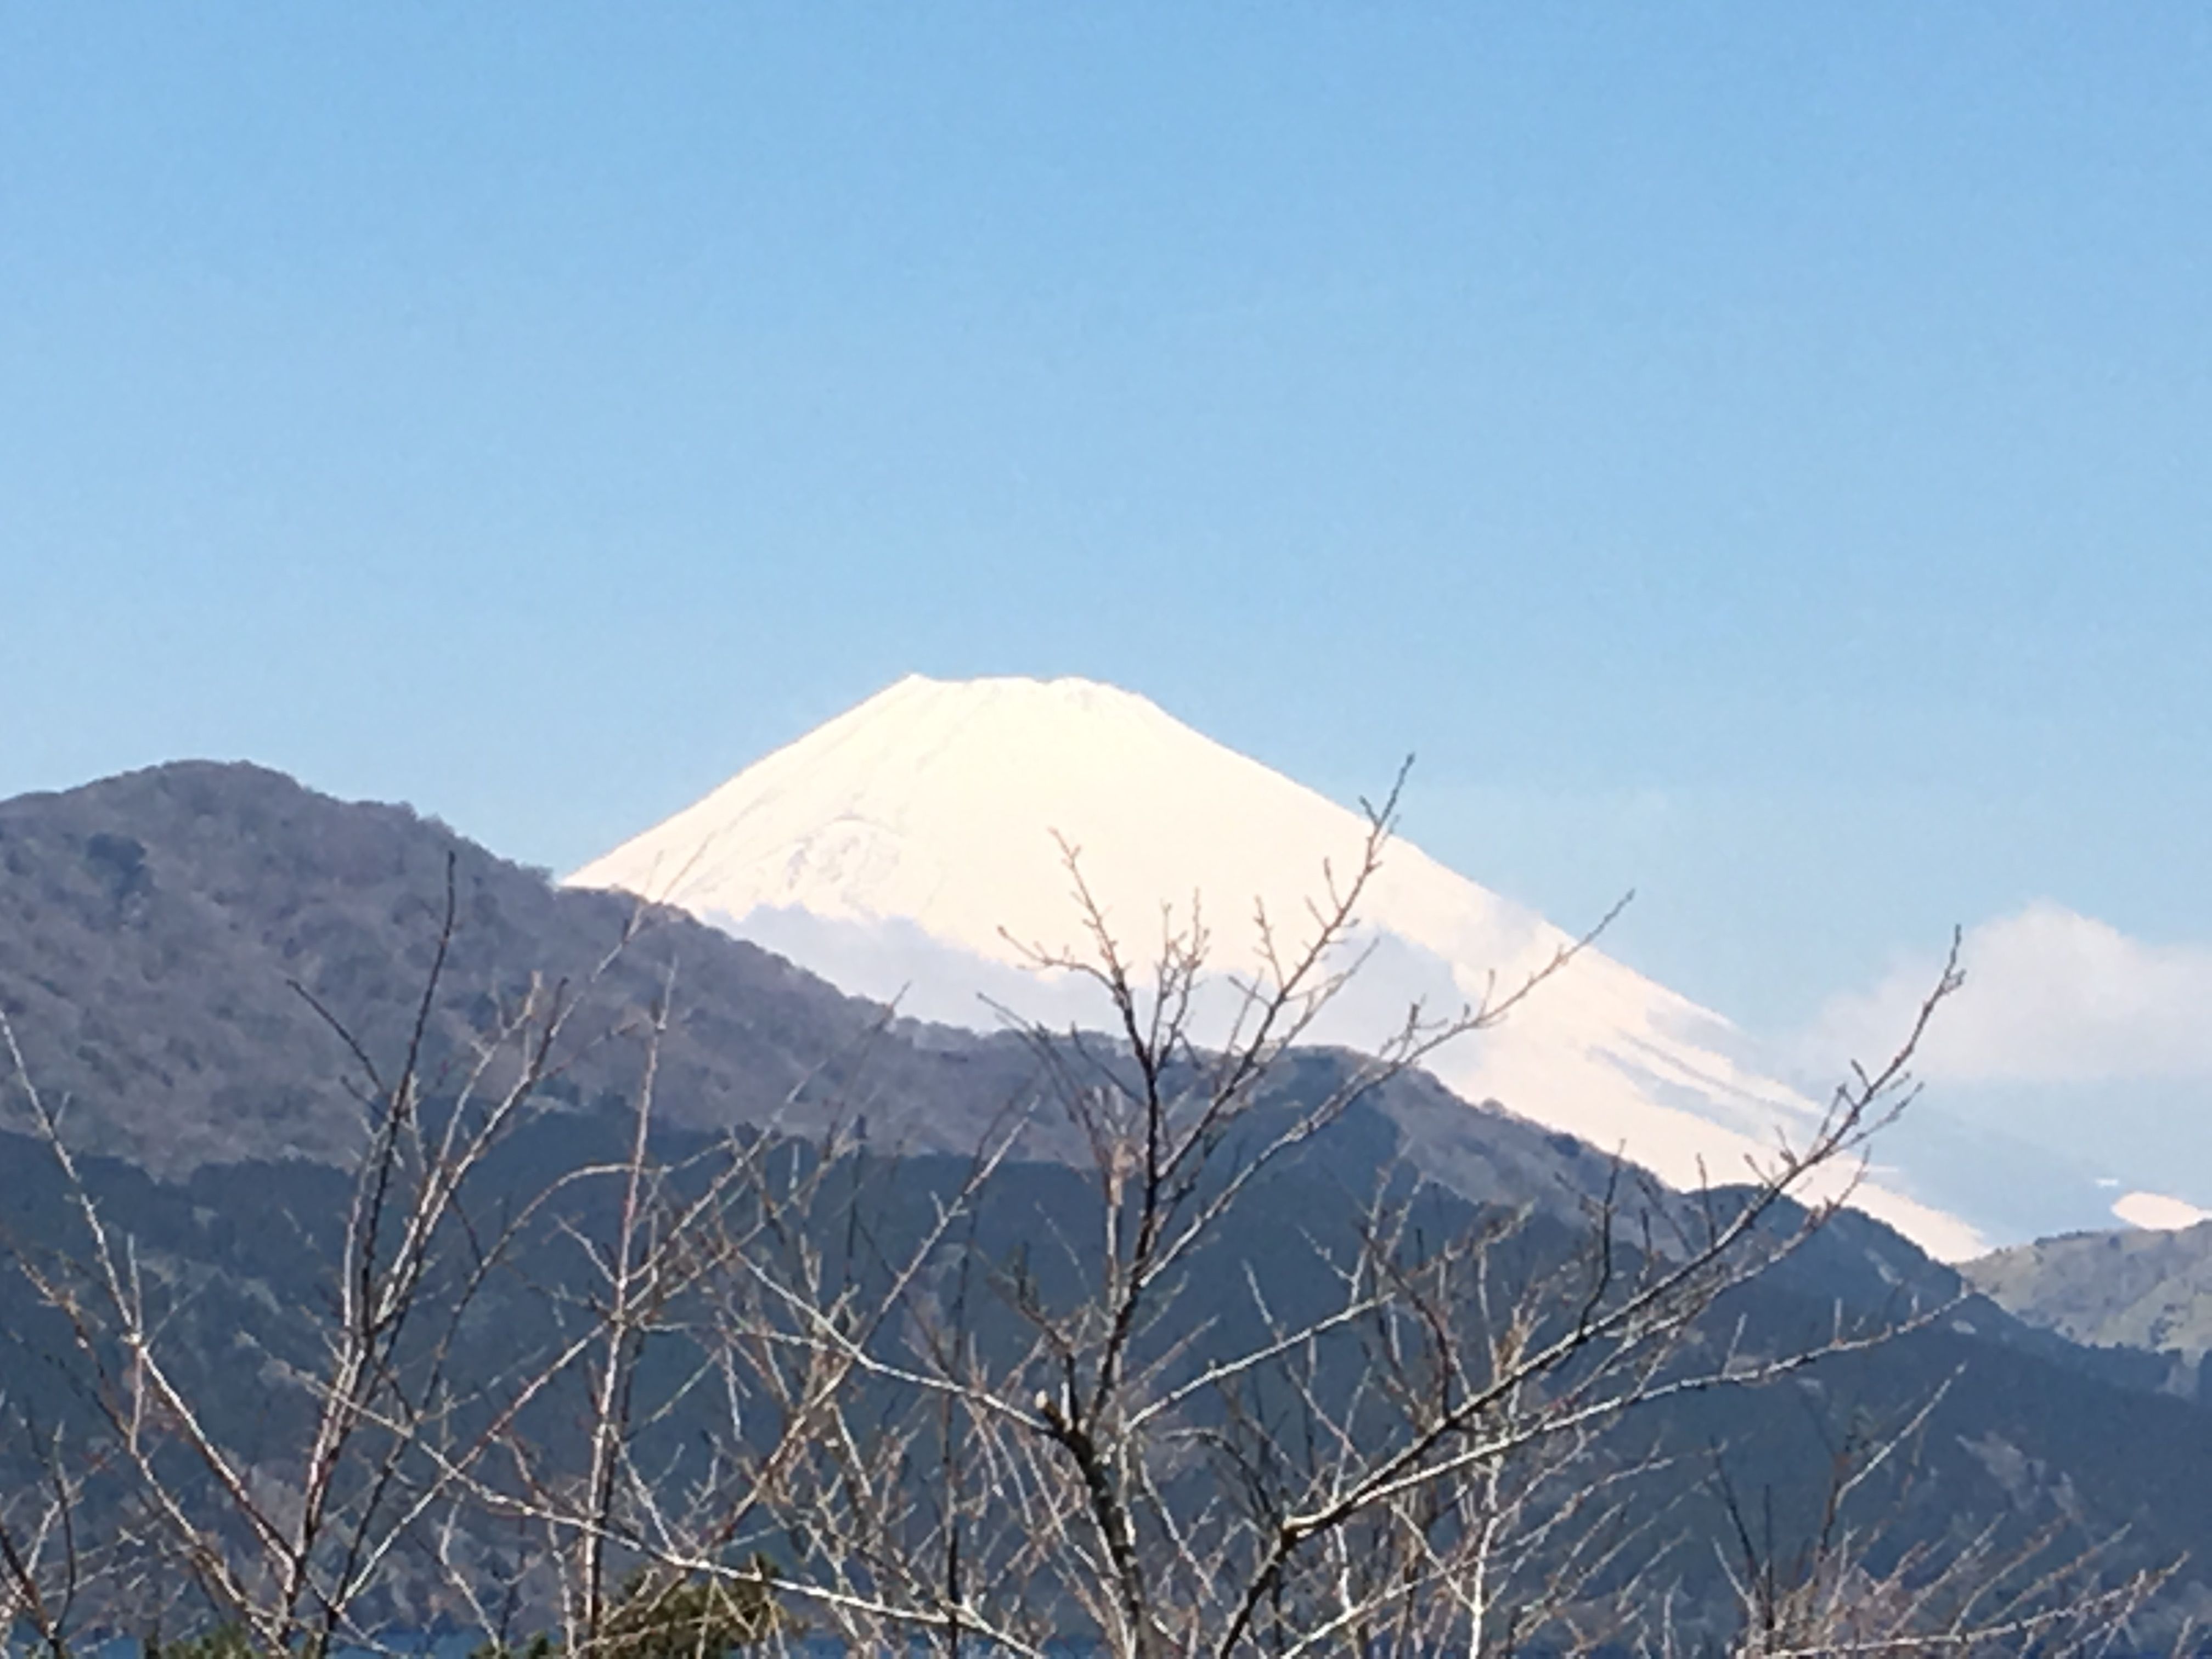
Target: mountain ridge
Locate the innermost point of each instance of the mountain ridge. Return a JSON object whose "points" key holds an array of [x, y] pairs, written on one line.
{"points": [[2131, 1288], [163, 932], [157, 901]]}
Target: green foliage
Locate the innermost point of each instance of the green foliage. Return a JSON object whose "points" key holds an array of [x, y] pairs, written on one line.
{"points": [[222, 1642], [660, 1617], [691, 1618], [540, 1646]]}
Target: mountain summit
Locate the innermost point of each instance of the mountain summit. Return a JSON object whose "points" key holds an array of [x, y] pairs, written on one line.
{"points": [[911, 850]]}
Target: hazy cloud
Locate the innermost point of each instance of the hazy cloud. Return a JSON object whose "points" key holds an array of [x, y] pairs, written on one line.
{"points": [[2052, 996]]}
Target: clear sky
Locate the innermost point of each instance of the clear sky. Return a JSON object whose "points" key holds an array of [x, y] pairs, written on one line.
{"points": [[1760, 454]]}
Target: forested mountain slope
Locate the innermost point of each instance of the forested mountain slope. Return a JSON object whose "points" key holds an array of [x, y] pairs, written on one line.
{"points": [[2132, 1287]]}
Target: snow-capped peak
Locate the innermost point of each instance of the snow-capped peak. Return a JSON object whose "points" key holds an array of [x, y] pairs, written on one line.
{"points": [[912, 849], [943, 804]]}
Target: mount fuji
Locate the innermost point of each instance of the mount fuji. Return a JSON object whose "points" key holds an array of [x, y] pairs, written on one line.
{"points": [[910, 850]]}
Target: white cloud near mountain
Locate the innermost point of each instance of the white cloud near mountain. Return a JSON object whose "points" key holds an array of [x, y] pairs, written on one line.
{"points": [[2156, 1212], [2052, 997]]}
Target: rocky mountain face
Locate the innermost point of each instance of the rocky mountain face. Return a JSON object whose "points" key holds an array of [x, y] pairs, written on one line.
{"points": [[175, 945]]}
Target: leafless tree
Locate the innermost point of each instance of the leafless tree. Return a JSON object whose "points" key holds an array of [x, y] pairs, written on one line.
{"points": [[289, 1548], [44, 1563], [1415, 1463], [779, 1379], [1847, 1587]]}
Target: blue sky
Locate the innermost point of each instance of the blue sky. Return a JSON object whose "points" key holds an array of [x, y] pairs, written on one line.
{"points": [[1761, 455]]}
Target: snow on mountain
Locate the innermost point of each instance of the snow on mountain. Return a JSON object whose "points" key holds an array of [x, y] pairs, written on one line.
{"points": [[910, 849]]}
